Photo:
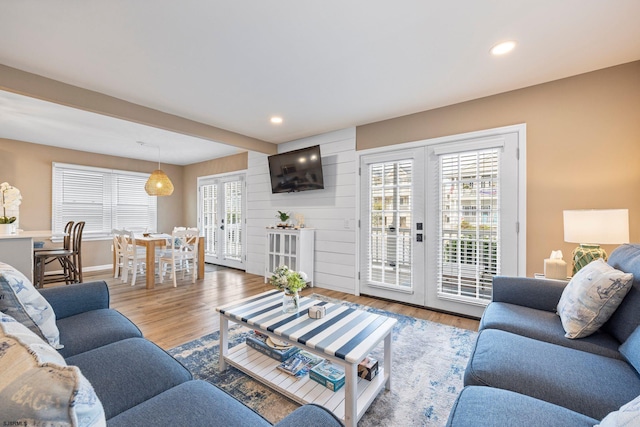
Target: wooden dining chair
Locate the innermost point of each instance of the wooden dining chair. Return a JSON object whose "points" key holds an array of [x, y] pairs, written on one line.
{"points": [[182, 254], [69, 257], [66, 241]]}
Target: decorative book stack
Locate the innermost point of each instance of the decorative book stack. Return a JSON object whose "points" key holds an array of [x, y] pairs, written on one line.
{"points": [[300, 363]]}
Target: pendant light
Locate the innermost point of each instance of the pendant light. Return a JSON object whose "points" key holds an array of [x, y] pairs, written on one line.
{"points": [[158, 183]]}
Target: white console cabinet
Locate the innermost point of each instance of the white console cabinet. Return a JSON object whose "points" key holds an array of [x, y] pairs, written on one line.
{"points": [[290, 247]]}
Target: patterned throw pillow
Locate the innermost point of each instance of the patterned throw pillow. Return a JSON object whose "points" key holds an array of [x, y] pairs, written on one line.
{"points": [[591, 297], [627, 416], [22, 301], [37, 387]]}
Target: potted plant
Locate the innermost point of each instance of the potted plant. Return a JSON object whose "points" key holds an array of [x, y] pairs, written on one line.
{"points": [[290, 282], [10, 199], [284, 219]]}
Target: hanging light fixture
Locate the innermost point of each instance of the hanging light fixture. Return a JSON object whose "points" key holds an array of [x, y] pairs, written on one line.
{"points": [[158, 183]]}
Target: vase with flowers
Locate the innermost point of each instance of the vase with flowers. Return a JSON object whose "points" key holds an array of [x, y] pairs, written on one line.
{"points": [[10, 199], [290, 282]]}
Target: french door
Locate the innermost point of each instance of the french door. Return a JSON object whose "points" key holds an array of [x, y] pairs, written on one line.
{"points": [[392, 257], [221, 218], [439, 221]]}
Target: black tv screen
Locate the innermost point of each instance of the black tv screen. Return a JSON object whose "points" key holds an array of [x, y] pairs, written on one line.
{"points": [[298, 170]]}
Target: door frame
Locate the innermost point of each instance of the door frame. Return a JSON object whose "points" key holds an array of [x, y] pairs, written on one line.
{"points": [[520, 129], [222, 176]]}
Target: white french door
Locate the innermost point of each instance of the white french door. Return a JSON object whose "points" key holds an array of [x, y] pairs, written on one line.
{"points": [[221, 217], [392, 258], [438, 221]]}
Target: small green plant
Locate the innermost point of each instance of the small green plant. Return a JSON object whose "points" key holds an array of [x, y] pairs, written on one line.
{"points": [[283, 216]]}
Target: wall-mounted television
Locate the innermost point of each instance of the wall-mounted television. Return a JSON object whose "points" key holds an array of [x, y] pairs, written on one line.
{"points": [[298, 170]]}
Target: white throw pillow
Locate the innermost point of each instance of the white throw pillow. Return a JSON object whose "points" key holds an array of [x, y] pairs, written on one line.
{"points": [[591, 297], [22, 301], [627, 416], [37, 386]]}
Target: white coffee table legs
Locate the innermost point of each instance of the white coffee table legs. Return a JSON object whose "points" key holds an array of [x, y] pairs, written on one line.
{"points": [[350, 395], [387, 361], [224, 344]]}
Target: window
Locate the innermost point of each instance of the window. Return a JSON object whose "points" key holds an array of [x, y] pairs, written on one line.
{"points": [[104, 198]]}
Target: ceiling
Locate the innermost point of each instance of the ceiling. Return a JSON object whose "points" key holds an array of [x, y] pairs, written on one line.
{"points": [[321, 66]]}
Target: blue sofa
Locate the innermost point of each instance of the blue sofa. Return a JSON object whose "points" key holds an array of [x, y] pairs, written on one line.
{"points": [[524, 371], [137, 382]]}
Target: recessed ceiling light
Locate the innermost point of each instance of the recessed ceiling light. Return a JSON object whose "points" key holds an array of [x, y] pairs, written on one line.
{"points": [[502, 48], [276, 120]]}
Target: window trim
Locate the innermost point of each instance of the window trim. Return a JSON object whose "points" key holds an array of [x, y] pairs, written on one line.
{"points": [[111, 175]]}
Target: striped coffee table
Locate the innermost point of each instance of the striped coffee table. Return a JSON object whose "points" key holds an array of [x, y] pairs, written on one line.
{"points": [[345, 336]]}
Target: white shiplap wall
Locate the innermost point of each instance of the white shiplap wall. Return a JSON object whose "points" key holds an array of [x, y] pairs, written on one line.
{"points": [[331, 211]]}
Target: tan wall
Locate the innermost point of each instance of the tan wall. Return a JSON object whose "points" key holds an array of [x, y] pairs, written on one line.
{"points": [[28, 167], [583, 146], [233, 163]]}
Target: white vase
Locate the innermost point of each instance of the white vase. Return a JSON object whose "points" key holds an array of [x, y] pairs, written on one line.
{"points": [[290, 302], [14, 211], [6, 229]]}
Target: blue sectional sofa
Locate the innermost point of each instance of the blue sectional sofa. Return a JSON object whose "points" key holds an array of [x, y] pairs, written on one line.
{"points": [[138, 383], [524, 371]]}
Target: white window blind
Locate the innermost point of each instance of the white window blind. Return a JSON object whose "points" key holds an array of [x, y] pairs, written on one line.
{"points": [[104, 198], [469, 223]]}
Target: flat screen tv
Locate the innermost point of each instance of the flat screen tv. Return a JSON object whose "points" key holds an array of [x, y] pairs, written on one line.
{"points": [[298, 170]]}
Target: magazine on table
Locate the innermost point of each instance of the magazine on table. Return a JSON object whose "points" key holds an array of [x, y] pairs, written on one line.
{"points": [[300, 363]]}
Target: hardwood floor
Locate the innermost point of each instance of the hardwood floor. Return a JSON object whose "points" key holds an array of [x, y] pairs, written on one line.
{"points": [[172, 316]]}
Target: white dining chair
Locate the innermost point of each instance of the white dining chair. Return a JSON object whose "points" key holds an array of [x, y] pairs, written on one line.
{"points": [[182, 254], [133, 256], [117, 252]]}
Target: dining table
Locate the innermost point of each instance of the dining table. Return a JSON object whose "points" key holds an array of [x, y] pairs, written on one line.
{"points": [[150, 242]]}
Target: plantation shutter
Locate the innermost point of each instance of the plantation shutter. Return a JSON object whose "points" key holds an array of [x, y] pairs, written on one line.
{"points": [[103, 198], [390, 207], [210, 217], [233, 219], [469, 219]]}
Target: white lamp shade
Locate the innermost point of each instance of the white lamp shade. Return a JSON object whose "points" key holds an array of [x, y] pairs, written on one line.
{"points": [[597, 226]]}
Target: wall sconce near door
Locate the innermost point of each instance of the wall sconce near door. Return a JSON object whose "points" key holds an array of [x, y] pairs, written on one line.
{"points": [[591, 228], [158, 183]]}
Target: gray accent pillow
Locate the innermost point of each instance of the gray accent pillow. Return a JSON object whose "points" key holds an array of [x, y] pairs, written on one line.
{"points": [[591, 297]]}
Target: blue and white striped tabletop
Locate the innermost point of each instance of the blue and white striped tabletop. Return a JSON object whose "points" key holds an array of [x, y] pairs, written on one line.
{"points": [[345, 333]]}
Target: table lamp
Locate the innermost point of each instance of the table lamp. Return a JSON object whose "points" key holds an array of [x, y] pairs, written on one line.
{"points": [[591, 228]]}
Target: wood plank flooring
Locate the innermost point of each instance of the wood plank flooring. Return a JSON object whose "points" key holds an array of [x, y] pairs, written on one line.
{"points": [[172, 316]]}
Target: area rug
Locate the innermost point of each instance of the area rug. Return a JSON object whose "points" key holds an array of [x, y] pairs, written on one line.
{"points": [[428, 365]]}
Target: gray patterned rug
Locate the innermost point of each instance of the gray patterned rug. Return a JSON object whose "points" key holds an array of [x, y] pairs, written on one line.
{"points": [[429, 361]]}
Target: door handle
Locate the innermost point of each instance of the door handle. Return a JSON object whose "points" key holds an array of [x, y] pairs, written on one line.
{"points": [[222, 227]]}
